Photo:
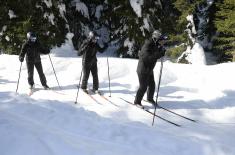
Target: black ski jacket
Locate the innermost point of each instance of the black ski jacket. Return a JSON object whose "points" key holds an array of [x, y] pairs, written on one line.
{"points": [[148, 56], [33, 51], [89, 49]]}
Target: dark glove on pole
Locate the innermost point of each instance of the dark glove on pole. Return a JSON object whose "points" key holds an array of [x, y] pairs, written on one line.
{"points": [[21, 59]]}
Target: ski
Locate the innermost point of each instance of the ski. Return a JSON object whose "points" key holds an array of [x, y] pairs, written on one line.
{"points": [[177, 114], [105, 98], [175, 124], [55, 91], [92, 97], [31, 91], [174, 112]]}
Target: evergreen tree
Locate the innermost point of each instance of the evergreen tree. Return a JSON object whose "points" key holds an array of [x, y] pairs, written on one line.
{"points": [[85, 16], [196, 19], [19, 17], [119, 23], [129, 28], [224, 44], [124, 27]]}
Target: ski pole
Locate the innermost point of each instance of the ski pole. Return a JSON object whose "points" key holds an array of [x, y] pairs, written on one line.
{"points": [[159, 81], [78, 87], [109, 77], [54, 71], [19, 77]]}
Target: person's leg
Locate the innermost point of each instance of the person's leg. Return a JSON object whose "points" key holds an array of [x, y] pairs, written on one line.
{"points": [[42, 77], [30, 68], [94, 72], [143, 83], [151, 88], [86, 73]]}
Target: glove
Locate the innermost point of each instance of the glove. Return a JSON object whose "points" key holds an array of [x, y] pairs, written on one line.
{"points": [[163, 51], [79, 53], [21, 59]]}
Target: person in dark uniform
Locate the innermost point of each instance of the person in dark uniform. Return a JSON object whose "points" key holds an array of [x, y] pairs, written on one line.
{"points": [[32, 49], [151, 51], [88, 49]]}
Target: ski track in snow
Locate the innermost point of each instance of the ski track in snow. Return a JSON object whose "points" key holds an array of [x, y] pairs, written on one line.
{"points": [[50, 123]]}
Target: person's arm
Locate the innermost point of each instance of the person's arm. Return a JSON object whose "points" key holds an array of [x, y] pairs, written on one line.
{"points": [[23, 52], [83, 47], [160, 52]]}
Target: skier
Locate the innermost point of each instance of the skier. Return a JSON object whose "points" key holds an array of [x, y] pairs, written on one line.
{"points": [[151, 51], [32, 48], [88, 49]]}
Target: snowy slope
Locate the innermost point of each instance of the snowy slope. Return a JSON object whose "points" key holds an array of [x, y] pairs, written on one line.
{"points": [[49, 123]]}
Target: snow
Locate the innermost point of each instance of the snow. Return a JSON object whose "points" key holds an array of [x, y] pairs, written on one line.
{"points": [[7, 38], [49, 122], [136, 6], [50, 17], [98, 11], [197, 55], [191, 21], [3, 29], [146, 24], [62, 10], [67, 49], [11, 14], [103, 34], [48, 3], [210, 2], [130, 44], [81, 7]]}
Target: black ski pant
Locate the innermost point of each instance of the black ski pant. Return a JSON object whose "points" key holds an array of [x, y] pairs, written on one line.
{"points": [[146, 81], [86, 72], [30, 67]]}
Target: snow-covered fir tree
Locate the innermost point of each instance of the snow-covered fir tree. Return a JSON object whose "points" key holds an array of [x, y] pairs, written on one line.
{"points": [[123, 24]]}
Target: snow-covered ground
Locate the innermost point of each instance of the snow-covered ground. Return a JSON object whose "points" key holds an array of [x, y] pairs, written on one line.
{"points": [[49, 123]]}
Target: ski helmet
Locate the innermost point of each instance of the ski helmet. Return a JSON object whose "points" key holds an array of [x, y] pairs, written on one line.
{"points": [[156, 35], [91, 35], [31, 36]]}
